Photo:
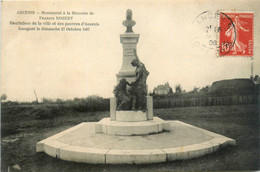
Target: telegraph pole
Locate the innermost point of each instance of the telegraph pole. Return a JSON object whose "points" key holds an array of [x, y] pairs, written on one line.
{"points": [[252, 68]]}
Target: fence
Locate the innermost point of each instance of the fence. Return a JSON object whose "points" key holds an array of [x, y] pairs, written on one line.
{"points": [[205, 101]]}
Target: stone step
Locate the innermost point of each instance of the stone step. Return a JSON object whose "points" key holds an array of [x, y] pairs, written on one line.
{"points": [[154, 126], [81, 144]]}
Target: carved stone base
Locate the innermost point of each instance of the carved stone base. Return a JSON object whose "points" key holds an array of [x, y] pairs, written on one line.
{"points": [[130, 115], [154, 126]]}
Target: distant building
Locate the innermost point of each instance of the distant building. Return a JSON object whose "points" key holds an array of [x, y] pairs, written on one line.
{"points": [[162, 89], [239, 86]]}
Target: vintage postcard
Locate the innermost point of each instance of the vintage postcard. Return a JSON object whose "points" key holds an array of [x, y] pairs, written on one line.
{"points": [[112, 85]]}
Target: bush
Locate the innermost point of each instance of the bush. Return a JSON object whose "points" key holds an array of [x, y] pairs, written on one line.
{"points": [[47, 101], [10, 103], [90, 104], [52, 106]]}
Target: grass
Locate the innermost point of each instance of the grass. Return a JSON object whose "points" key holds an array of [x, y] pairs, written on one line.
{"points": [[240, 122]]}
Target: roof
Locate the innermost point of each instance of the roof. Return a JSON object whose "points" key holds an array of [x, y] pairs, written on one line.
{"points": [[162, 87], [233, 86]]}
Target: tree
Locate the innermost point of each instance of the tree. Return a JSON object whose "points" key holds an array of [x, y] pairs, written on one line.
{"points": [[3, 97], [170, 92], [58, 100], [205, 89], [195, 90], [178, 88]]}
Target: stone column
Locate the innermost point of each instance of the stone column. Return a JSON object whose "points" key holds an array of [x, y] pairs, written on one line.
{"points": [[129, 42], [112, 109], [149, 107]]}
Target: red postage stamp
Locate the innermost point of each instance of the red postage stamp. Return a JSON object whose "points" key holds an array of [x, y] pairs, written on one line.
{"points": [[236, 34]]}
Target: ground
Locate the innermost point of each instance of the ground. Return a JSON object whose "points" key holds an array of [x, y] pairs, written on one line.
{"points": [[240, 122]]}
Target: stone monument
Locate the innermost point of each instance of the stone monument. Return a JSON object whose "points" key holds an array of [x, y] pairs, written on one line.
{"points": [[131, 134], [131, 103]]}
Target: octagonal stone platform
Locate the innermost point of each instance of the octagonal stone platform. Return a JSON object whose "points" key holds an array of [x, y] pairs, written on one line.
{"points": [[82, 144]]}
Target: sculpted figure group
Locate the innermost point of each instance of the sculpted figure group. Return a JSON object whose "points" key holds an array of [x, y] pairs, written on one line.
{"points": [[134, 96]]}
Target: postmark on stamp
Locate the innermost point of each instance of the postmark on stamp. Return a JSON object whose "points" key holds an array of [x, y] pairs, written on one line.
{"points": [[225, 33], [236, 34], [205, 27]]}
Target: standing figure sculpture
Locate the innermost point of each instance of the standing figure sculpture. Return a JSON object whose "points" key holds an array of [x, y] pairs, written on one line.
{"points": [[129, 23], [138, 89]]}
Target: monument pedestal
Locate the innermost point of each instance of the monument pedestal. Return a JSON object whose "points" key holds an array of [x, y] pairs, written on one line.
{"points": [[127, 123], [120, 115], [129, 42], [157, 125], [131, 116]]}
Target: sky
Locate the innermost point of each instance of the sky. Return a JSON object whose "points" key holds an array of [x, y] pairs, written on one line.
{"points": [[78, 64]]}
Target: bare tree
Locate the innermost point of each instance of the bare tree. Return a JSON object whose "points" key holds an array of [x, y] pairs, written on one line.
{"points": [[36, 96]]}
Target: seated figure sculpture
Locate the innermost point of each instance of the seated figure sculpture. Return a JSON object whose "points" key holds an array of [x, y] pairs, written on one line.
{"points": [[123, 98]]}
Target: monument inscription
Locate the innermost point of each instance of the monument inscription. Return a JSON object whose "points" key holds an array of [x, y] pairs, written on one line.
{"points": [[128, 52], [129, 49]]}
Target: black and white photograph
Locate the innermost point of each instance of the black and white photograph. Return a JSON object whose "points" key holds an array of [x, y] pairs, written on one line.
{"points": [[110, 85]]}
